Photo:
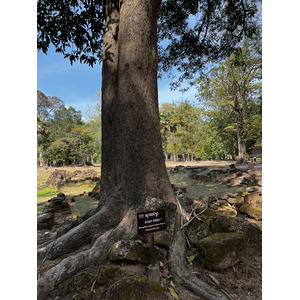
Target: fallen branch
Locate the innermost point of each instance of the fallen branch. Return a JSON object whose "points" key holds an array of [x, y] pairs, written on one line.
{"points": [[196, 216]]}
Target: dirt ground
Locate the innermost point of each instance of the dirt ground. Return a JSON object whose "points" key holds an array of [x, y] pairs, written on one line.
{"points": [[217, 163]]}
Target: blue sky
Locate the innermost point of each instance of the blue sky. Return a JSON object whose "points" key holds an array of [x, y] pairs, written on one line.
{"points": [[78, 84]]}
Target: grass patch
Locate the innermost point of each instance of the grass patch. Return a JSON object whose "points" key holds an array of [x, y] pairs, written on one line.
{"points": [[78, 188], [180, 179], [46, 194], [82, 205], [40, 207]]}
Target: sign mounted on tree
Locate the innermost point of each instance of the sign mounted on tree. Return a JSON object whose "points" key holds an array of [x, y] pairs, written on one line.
{"points": [[151, 221]]}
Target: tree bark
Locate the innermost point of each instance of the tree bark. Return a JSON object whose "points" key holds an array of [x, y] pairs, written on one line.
{"points": [[130, 126]]}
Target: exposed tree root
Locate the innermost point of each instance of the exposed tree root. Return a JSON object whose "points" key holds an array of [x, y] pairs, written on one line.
{"points": [[111, 225], [106, 218], [180, 273], [95, 257]]}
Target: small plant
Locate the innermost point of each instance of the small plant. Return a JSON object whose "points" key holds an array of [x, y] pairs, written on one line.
{"points": [[75, 296], [191, 258]]}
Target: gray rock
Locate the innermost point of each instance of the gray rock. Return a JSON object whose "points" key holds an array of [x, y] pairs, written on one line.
{"points": [[197, 230], [61, 195], [132, 252], [47, 218], [250, 189]]}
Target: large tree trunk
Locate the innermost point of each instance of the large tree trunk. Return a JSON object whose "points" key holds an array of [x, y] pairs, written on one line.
{"points": [[131, 133], [131, 127]]}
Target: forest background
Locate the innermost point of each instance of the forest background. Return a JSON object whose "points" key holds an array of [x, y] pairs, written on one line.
{"points": [[280, 142]]}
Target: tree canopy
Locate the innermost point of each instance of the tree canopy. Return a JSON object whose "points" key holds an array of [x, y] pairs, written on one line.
{"points": [[192, 33]]}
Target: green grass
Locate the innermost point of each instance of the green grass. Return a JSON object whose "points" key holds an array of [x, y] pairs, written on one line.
{"points": [[46, 194], [82, 205], [75, 189]]}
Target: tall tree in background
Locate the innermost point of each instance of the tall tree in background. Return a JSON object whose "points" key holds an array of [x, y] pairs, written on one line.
{"points": [[232, 85], [133, 166], [93, 125], [187, 117], [46, 105], [80, 141]]}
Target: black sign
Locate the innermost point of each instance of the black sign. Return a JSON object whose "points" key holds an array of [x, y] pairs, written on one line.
{"points": [[151, 221]]}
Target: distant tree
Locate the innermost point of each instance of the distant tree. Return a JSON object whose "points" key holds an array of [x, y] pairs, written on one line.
{"points": [[59, 152], [93, 125], [47, 105], [165, 116], [187, 118], [80, 141], [54, 135], [168, 130], [42, 140], [232, 85], [63, 121]]}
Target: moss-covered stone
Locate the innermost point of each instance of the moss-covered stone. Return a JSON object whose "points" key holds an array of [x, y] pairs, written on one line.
{"points": [[243, 194], [108, 273], [197, 230], [209, 213], [234, 200], [221, 250], [252, 198], [79, 282], [243, 208], [251, 232], [135, 287], [226, 211], [254, 212], [132, 252]]}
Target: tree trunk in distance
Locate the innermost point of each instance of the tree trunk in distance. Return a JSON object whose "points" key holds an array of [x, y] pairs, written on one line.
{"points": [[241, 130]]}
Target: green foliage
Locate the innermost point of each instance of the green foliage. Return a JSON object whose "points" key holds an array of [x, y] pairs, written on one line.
{"points": [[191, 258], [193, 32], [47, 105], [80, 141], [47, 192], [93, 126], [231, 96], [75, 296], [63, 137], [74, 27], [63, 121], [181, 126]]}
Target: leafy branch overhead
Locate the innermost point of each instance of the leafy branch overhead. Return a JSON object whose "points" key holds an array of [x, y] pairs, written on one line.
{"points": [[191, 32]]}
